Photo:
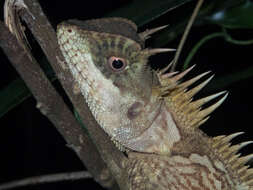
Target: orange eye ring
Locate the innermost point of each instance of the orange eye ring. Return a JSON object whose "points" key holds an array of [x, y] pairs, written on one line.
{"points": [[117, 63]]}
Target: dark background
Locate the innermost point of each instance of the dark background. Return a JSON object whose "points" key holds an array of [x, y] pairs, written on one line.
{"points": [[30, 145]]}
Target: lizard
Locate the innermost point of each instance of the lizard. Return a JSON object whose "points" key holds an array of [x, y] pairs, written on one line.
{"points": [[149, 114]]}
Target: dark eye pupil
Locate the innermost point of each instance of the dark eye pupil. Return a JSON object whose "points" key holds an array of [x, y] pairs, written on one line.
{"points": [[117, 64]]}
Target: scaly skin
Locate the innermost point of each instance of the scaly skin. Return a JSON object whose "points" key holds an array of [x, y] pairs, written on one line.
{"points": [[150, 113]]}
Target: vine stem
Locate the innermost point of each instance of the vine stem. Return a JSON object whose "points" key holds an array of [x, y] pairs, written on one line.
{"points": [[234, 41], [223, 34], [198, 45]]}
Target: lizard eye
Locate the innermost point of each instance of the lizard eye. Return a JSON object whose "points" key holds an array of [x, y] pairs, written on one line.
{"points": [[117, 63]]}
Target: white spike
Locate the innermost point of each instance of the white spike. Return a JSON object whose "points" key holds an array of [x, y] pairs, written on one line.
{"points": [[246, 159], [225, 140], [231, 136], [196, 89], [204, 100], [154, 51], [182, 74], [243, 144], [241, 161], [202, 122], [168, 75], [146, 34], [193, 80], [210, 109]]}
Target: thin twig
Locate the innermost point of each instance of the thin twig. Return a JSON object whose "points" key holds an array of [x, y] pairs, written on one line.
{"points": [[50, 178], [186, 32]]}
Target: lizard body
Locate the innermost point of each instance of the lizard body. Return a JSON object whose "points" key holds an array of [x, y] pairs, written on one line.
{"points": [[150, 113]]}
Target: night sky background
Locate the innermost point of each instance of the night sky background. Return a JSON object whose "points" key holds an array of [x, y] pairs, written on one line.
{"points": [[30, 145]]}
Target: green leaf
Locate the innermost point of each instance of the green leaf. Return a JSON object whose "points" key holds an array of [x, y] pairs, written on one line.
{"points": [[240, 16], [145, 11], [11, 96]]}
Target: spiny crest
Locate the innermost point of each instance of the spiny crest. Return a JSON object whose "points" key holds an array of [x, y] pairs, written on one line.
{"points": [[187, 112], [146, 35], [229, 154]]}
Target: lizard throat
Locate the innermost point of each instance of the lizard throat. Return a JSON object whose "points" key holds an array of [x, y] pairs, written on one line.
{"points": [[161, 134]]}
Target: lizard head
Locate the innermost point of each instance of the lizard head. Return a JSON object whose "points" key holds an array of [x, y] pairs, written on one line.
{"points": [[110, 65], [142, 110]]}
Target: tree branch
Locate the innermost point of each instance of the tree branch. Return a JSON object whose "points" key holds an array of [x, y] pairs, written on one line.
{"points": [[45, 35], [52, 105], [50, 178]]}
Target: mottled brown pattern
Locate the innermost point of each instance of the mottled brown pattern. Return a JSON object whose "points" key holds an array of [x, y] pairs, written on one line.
{"points": [[172, 173]]}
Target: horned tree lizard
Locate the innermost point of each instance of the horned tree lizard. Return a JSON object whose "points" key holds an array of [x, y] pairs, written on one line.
{"points": [[150, 113]]}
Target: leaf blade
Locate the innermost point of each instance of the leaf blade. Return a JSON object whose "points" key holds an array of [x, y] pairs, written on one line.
{"points": [[12, 95], [240, 16]]}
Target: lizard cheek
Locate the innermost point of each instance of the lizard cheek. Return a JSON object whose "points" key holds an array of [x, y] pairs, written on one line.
{"points": [[134, 110]]}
